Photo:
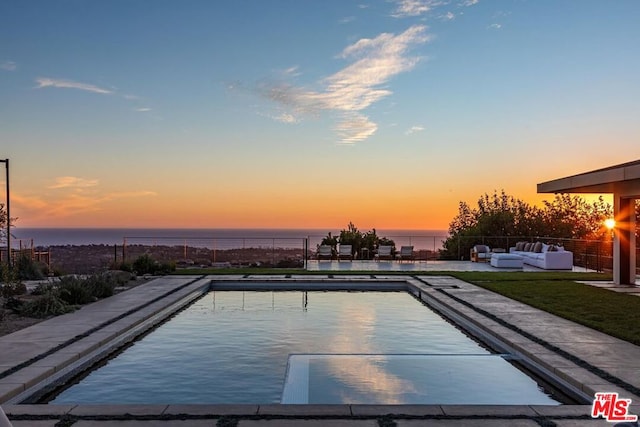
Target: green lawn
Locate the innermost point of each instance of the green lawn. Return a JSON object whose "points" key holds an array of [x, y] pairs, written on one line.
{"points": [[613, 313]]}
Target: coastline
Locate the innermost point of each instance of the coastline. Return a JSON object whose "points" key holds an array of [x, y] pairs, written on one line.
{"points": [[52, 236]]}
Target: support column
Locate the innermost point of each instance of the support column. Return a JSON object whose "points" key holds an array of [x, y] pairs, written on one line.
{"points": [[624, 241]]}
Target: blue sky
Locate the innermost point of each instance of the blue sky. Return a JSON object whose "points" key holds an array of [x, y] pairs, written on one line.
{"points": [[307, 113]]}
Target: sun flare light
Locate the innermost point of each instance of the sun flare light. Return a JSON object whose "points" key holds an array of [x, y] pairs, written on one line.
{"points": [[610, 223]]}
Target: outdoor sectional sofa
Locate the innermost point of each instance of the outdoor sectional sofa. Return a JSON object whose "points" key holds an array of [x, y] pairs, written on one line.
{"points": [[548, 257]]}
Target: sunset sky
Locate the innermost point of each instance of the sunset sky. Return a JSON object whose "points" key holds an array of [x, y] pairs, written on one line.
{"points": [[306, 114]]}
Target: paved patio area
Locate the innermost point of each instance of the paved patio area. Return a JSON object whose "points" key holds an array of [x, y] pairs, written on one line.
{"points": [[357, 265], [587, 360]]}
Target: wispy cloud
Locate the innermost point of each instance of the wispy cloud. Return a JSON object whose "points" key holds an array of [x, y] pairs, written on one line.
{"points": [[73, 182], [494, 26], [414, 129], [286, 118], [48, 82], [347, 19], [8, 66], [292, 71], [405, 8], [355, 127], [143, 109], [449, 16], [70, 201], [355, 87], [468, 3]]}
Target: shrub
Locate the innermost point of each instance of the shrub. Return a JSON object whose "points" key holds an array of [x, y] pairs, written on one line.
{"points": [[11, 289], [28, 269], [166, 268], [49, 304], [101, 285], [73, 290], [43, 288], [144, 264], [14, 304], [125, 266]]}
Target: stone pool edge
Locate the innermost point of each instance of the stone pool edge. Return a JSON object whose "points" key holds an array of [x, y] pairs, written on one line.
{"points": [[201, 284]]}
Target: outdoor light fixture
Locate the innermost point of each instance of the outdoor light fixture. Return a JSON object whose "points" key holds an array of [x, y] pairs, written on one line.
{"points": [[610, 223]]}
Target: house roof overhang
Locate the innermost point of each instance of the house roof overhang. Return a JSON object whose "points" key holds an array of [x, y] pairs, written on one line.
{"points": [[621, 179]]}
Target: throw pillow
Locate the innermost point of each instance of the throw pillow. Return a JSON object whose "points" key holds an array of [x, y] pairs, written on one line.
{"points": [[537, 247], [552, 248], [527, 247]]}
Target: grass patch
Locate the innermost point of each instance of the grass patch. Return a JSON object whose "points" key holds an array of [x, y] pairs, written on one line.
{"points": [[613, 313], [490, 276]]}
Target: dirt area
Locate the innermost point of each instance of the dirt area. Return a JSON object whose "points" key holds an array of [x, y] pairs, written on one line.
{"points": [[11, 322]]}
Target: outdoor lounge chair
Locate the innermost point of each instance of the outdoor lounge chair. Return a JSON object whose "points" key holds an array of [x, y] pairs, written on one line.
{"points": [[344, 252], [384, 253], [406, 253], [324, 252], [480, 253]]}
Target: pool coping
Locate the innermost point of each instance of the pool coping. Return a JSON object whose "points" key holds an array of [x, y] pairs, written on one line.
{"points": [[177, 288]]}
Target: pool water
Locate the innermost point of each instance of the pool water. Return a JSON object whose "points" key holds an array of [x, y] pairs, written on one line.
{"points": [[234, 347]]}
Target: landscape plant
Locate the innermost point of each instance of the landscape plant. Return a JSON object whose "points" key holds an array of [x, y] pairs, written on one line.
{"points": [[351, 236], [48, 304], [145, 264], [10, 284], [28, 269], [357, 239], [502, 218], [60, 296], [332, 241], [73, 290]]}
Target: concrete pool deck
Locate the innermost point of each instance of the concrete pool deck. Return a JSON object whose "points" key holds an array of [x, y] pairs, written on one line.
{"points": [[588, 360]]}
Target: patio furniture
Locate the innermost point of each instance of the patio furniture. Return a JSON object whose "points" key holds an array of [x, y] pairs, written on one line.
{"points": [[324, 252], [406, 253], [547, 257], [384, 253], [344, 253], [480, 253], [504, 260]]}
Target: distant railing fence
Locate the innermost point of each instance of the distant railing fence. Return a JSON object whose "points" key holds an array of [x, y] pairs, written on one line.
{"points": [[425, 247], [590, 254], [25, 248], [219, 252], [283, 252]]}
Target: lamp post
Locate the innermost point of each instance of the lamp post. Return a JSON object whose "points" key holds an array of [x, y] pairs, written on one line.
{"points": [[6, 162]]}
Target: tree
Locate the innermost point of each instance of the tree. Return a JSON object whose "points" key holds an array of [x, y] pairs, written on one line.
{"points": [[3, 223], [572, 217], [500, 218], [3, 227]]}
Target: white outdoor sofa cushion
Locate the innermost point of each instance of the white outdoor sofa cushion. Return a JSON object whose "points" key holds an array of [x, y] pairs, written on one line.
{"points": [[547, 259]]}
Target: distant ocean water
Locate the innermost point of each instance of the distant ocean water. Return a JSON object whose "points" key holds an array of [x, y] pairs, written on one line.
{"points": [[116, 236]]}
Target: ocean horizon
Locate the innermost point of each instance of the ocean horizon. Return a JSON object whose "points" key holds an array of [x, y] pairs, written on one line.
{"points": [[51, 236]]}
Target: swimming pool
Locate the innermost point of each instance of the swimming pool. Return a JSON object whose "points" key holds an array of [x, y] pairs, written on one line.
{"points": [[234, 347]]}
